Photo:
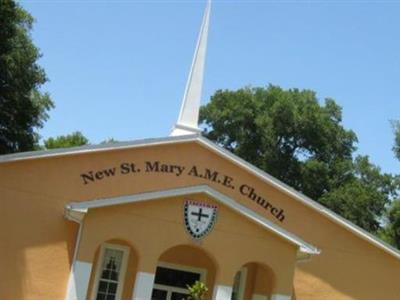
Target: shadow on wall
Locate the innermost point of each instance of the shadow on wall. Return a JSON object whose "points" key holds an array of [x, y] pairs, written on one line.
{"points": [[254, 281], [41, 252]]}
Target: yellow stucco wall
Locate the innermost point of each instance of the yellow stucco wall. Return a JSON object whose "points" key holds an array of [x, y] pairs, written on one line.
{"points": [[33, 194], [154, 227], [260, 280]]}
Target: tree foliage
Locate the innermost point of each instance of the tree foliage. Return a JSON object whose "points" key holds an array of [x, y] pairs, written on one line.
{"points": [[394, 223], [290, 135], [286, 133], [396, 147], [65, 141], [23, 106], [109, 141], [364, 197], [391, 230]]}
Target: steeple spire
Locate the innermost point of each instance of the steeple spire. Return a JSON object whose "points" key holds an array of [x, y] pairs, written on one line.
{"points": [[189, 115]]}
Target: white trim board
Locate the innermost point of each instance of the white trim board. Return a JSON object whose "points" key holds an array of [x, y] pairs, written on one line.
{"points": [[78, 281], [150, 196], [197, 138], [143, 286], [259, 297], [280, 297], [242, 282], [100, 260], [222, 292], [96, 148]]}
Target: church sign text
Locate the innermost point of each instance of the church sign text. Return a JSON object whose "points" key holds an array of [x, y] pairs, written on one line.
{"points": [[208, 174]]}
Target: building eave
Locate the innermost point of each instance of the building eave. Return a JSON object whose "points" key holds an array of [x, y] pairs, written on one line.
{"points": [[301, 198], [83, 207], [96, 148], [221, 152]]}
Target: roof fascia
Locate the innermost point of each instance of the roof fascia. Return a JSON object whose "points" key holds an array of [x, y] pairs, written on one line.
{"points": [[222, 152], [84, 206], [299, 197], [96, 148]]}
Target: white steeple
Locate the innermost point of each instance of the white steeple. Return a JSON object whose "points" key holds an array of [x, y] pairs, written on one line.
{"points": [[189, 115]]}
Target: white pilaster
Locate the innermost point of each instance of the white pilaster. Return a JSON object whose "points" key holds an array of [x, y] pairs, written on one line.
{"points": [[280, 297], [79, 281], [259, 297], [222, 292], [143, 286]]}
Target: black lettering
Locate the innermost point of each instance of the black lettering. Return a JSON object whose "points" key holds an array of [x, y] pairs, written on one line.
{"points": [[243, 189], [249, 191], [211, 175], [274, 211], [125, 169], [179, 170], [252, 195], [165, 169], [99, 175], [227, 181], [261, 201], [280, 216], [133, 168], [109, 172], [152, 167], [193, 172], [87, 177]]}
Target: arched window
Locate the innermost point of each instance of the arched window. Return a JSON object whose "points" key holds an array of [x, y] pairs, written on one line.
{"points": [[111, 268], [239, 284]]}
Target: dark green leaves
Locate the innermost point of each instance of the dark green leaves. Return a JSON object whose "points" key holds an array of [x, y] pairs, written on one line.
{"points": [[23, 106], [65, 141], [363, 198], [286, 133], [292, 136], [396, 147]]}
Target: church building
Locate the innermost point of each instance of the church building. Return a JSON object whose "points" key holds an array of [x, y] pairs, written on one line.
{"points": [[142, 220]]}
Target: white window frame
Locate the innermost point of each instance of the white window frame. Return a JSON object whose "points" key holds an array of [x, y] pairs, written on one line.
{"points": [[170, 289], [242, 283], [124, 264]]}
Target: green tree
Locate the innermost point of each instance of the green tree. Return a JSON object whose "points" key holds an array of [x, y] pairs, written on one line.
{"points": [[363, 199], [396, 147], [286, 133], [391, 231], [109, 141], [23, 106], [290, 135], [394, 223], [65, 141], [394, 212]]}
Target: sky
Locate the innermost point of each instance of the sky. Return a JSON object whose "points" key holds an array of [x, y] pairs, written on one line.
{"points": [[118, 69]]}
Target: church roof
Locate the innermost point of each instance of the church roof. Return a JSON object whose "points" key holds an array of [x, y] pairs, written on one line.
{"points": [[197, 138], [82, 207]]}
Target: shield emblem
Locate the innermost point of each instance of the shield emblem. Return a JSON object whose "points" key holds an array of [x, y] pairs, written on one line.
{"points": [[199, 218]]}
